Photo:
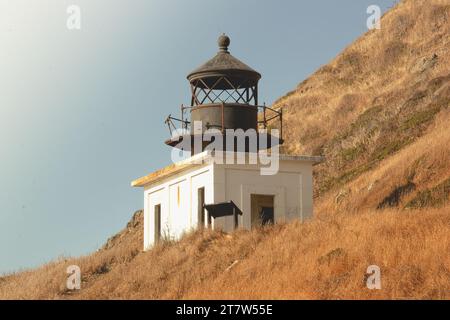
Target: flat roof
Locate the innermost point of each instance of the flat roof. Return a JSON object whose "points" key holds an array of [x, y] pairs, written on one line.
{"points": [[202, 159]]}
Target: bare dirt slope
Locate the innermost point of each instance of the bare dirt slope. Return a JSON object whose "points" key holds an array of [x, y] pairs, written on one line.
{"points": [[380, 114]]}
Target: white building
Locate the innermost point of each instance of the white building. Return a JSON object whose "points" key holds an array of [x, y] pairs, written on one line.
{"points": [[199, 192], [174, 196]]}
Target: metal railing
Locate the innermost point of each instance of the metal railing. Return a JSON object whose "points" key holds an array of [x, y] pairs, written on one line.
{"points": [[269, 115]]}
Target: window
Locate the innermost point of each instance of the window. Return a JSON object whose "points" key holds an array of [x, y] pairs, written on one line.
{"points": [[200, 204], [157, 223]]}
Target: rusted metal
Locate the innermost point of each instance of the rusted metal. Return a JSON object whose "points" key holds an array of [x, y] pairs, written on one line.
{"points": [[170, 123], [223, 64], [264, 117], [226, 116], [223, 118], [224, 74], [281, 125], [224, 95]]}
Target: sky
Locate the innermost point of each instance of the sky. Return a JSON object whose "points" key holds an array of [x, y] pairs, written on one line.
{"points": [[82, 110]]}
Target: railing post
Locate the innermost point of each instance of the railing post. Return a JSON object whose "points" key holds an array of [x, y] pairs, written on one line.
{"points": [[223, 116], [281, 123], [264, 112]]}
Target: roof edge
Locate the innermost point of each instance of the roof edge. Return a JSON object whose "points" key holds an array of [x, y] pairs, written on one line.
{"points": [[203, 159]]}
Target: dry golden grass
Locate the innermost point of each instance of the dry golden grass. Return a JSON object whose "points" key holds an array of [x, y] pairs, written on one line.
{"points": [[379, 113], [377, 97], [422, 164], [325, 258]]}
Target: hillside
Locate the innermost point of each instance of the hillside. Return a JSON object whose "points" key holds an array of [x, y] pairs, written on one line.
{"points": [[379, 113], [325, 258]]}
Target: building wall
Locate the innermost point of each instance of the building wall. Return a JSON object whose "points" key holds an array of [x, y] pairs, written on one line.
{"points": [[177, 196], [291, 188]]}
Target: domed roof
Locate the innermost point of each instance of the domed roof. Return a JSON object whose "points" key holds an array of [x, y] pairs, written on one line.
{"points": [[224, 64]]}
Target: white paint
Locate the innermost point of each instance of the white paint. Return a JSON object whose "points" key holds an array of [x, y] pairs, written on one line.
{"points": [[178, 215], [177, 194]]}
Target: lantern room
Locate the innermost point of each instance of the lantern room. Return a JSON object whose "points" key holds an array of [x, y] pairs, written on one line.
{"points": [[224, 96]]}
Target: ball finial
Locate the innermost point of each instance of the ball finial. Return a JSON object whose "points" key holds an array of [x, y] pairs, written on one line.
{"points": [[224, 42]]}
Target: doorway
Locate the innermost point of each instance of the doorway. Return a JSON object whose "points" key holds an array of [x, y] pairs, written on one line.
{"points": [[200, 209], [262, 210], [157, 222]]}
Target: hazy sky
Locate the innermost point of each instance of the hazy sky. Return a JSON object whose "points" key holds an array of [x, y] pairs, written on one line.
{"points": [[82, 111]]}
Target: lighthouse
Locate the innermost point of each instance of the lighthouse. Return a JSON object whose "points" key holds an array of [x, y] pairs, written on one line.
{"points": [[234, 176], [224, 108]]}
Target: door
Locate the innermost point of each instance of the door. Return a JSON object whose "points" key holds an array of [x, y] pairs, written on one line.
{"points": [[157, 212], [262, 210], [266, 215], [200, 210]]}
